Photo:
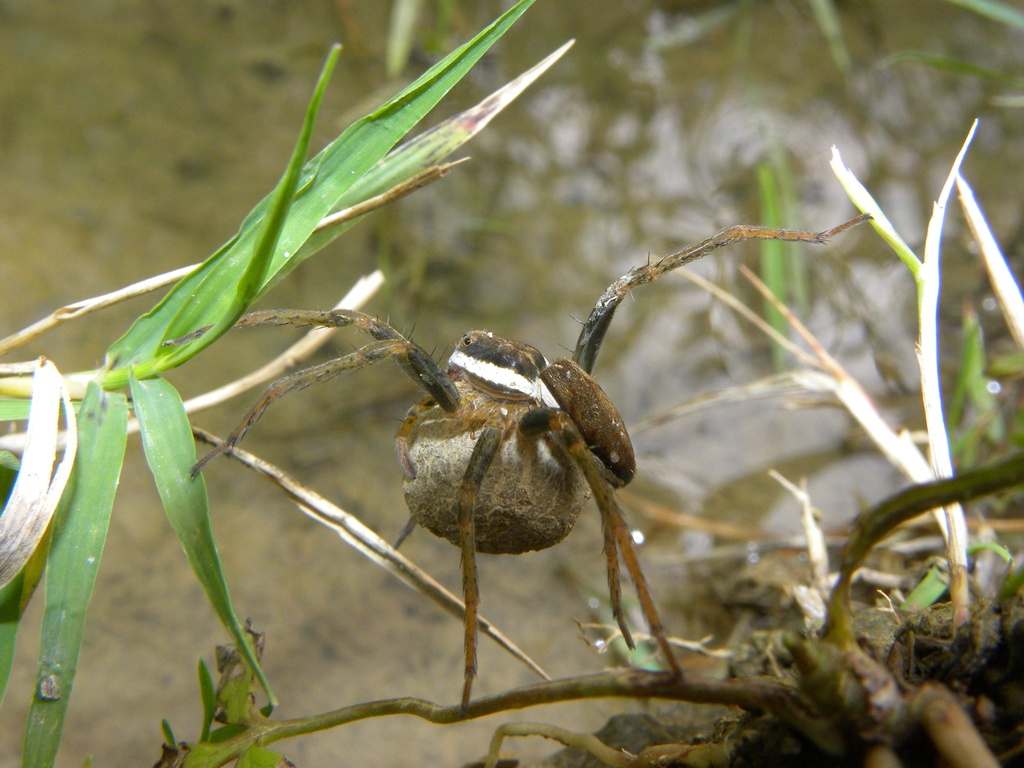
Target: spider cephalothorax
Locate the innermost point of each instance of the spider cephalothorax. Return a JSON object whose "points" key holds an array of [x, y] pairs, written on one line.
{"points": [[505, 449]]}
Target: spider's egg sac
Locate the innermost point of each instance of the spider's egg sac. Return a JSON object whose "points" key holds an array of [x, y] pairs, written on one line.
{"points": [[529, 499]]}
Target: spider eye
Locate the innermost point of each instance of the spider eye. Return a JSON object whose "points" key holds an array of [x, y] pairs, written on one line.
{"points": [[467, 341]]}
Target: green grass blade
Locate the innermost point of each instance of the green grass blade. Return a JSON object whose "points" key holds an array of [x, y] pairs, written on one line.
{"points": [[972, 363], [170, 453], [208, 694], [422, 152], [773, 268], [79, 532], [13, 410], [9, 466], [928, 591], [865, 203], [322, 183], [827, 17], [10, 618], [218, 297], [996, 11], [954, 65], [1014, 583], [252, 277], [10, 596], [14, 598], [401, 31]]}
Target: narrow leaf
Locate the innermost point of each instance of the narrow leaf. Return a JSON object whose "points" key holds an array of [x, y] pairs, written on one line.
{"points": [[423, 152], [401, 31], [218, 297], [956, 66], [322, 183], [170, 453], [208, 693], [10, 596], [9, 466], [865, 203], [168, 732], [773, 268], [79, 533], [827, 16], [250, 280], [1001, 12], [13, 410]]}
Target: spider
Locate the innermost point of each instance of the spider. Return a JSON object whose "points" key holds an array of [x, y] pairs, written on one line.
{"points": [[505, 448]]}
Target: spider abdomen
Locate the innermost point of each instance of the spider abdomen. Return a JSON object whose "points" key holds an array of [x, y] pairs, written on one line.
{"points": [[529, 499], [595, 416]]}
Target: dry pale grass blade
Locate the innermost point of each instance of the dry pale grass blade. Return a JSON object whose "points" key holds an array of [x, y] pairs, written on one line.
{"points": [[897, 448], [744, 311], [817, 549], [20, 369], [587, 742], [87, 306], [777, 385], [1003, 283], [810, 598], [365, 541], [824, 359], [16, 382], [480, 115], [926, 275], [931, 393], [357, 296], [38, 488], [421, 179], [833, 377]]}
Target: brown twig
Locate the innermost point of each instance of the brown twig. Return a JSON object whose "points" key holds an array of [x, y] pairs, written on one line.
{"points": [[368, 543]]}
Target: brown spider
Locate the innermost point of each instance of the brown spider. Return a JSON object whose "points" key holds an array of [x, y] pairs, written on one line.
{"points": [[505, 449]]}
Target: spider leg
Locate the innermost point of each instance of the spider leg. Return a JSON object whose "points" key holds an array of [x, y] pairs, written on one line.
{"points": [[409, 527], [594, 330], [389, 345], [617, 536], [611, 556], [412, 416], [488, 443], [335, 318], [413, 360], [408, 468], [368, 355]]}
